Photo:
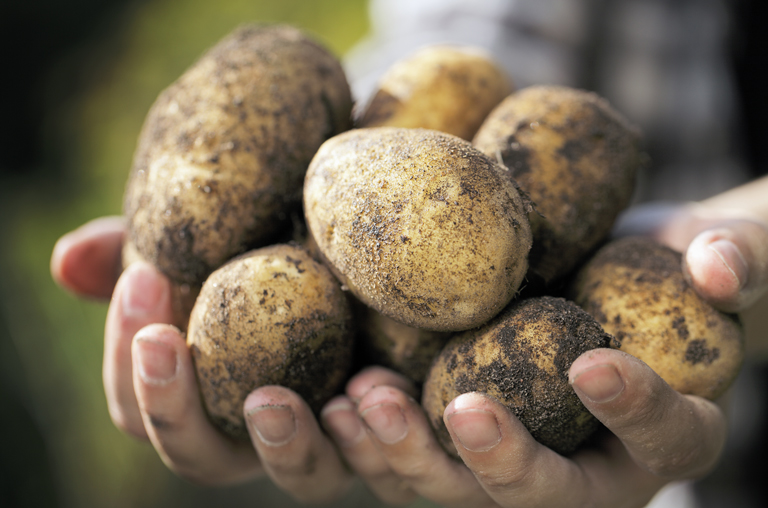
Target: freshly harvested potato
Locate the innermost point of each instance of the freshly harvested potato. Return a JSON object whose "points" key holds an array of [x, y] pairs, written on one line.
{"points": [[419, 225], [407, 350], [223, 151], [445, 88], [577, 159], [635, 288], [521, 358], [273, 316]]}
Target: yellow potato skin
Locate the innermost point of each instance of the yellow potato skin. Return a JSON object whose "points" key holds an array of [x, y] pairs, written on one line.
{"points": [[577, 159], [521, 358], [222, 154], [418, 225], [273, 316], [445, 88], [636, 289]]}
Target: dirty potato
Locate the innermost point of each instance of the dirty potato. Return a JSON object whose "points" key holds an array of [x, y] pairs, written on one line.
{"points": [[222, 154], [635, 288], [273, 316], [445, 88], [419, 225], [521, 358], [405, 349], [576, 157]]}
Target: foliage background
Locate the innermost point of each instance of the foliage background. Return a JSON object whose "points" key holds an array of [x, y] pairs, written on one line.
{"points": [[79, 78]]}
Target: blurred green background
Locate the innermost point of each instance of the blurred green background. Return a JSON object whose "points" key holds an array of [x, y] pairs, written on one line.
{"points": [[78, 80]]}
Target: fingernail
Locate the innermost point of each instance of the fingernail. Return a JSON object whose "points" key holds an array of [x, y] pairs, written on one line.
{"points": [[142, 294], [599, 383], [387, 422], [157, 361], [275, 425], [343, 423], [476, 429], [732, 258]]}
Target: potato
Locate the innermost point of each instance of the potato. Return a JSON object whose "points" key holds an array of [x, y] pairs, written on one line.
{"points": [[223, 151], [405, 349], [445, 88], [418, 224], [521, 358], [635, 288], [577, 159], [273, 316]]}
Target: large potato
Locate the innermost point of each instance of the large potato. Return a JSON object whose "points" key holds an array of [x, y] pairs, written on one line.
{"points": [[576, 157], [445, 88], [419, 225], [521, 358], [223, 151], [635, 288], [273, 316]]}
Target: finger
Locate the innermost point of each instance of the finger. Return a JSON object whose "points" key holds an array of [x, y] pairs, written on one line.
{"points": [[86, 261], [342, 422], [728, 264], [401, 432], [169, 401], [141, 297], [295, 453], [373, 376], [671, 435]]}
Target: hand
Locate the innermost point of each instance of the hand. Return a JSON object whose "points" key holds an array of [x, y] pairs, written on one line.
{"points": [[152, 392], [657, 436]]}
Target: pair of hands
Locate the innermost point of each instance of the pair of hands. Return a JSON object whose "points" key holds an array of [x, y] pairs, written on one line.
{"points": [[378, 432]]}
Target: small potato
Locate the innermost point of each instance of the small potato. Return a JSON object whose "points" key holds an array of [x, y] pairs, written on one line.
{"points": [[222, 155], [419, 225], [521, 358], [576, 157], [635, 288], [273, 316], [445, 88], [407, 350]]}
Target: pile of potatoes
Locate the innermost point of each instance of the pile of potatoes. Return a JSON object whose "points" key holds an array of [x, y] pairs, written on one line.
{"points": [[451, 228]]}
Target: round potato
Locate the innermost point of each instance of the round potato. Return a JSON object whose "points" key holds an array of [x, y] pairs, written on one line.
{"points": [[419, 225], [273, 316], [521, 358], [223, 151], [635, 288], [445, 88], [407, 350], [577, 159]]}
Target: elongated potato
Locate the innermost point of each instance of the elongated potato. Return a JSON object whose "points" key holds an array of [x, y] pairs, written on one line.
{"points": [[576, 157], [521, 358], [635, 288], [223, 151], [445, 88], [271, 316], [419, 225]]}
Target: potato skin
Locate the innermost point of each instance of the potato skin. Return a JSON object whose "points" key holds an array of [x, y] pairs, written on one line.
{"points": [[418, 225], [273, 316], [636, 289], [521, 358], [407, 350], [446, 88], [577, 159], [223, 151]]}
